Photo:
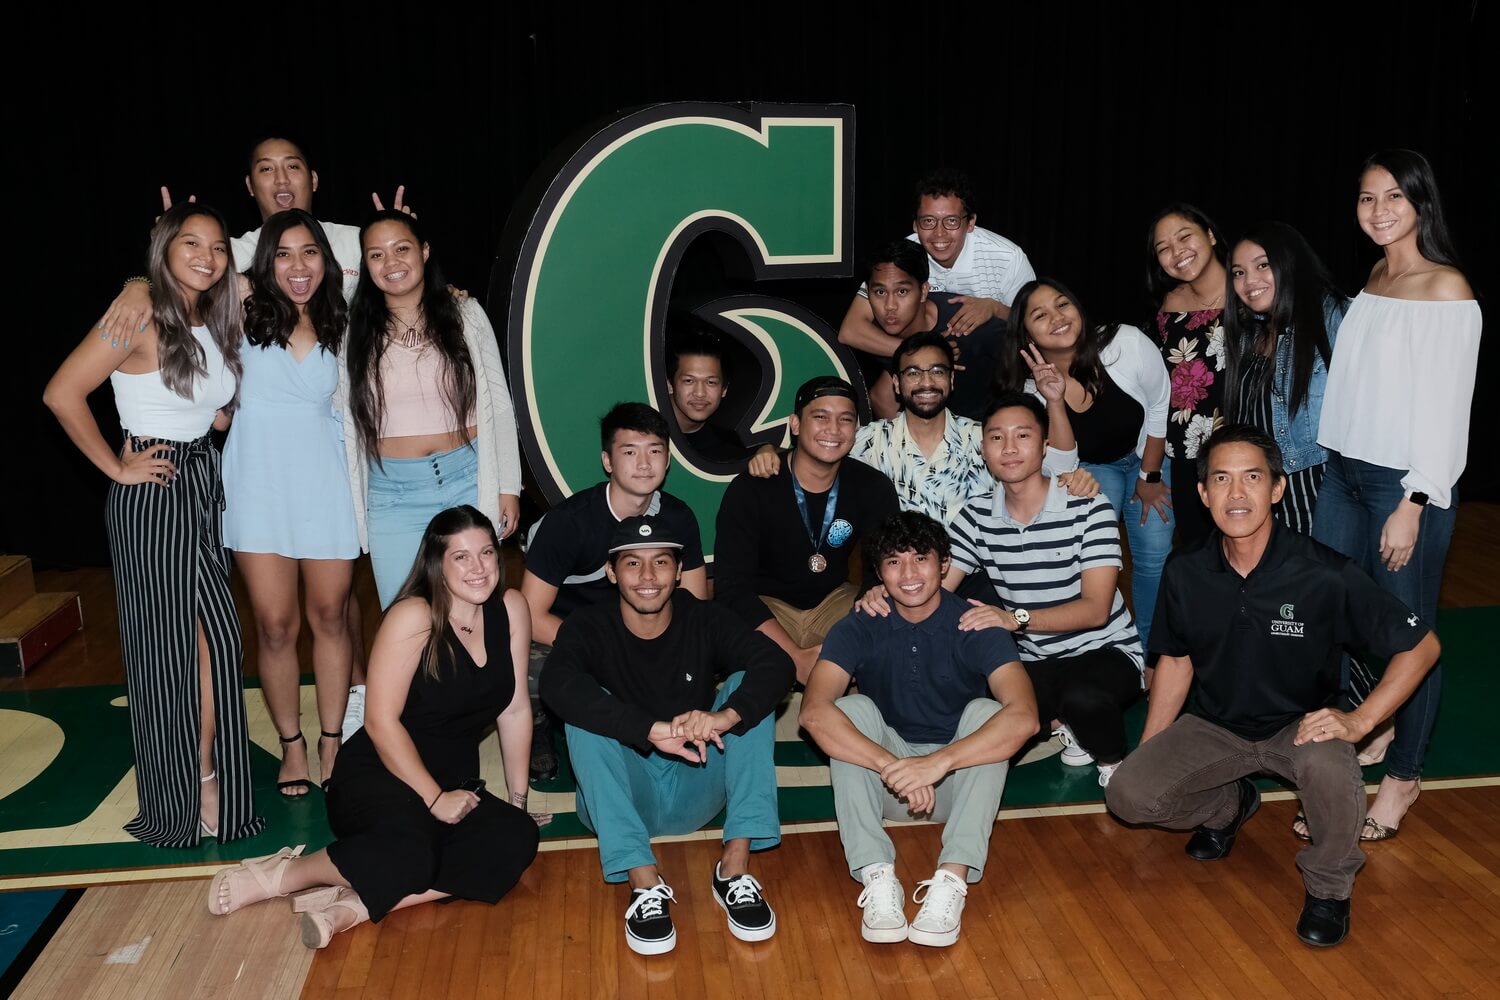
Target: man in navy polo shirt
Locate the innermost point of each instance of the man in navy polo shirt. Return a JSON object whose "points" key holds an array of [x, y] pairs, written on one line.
{"points": [[924, 736], [1259, 615]]}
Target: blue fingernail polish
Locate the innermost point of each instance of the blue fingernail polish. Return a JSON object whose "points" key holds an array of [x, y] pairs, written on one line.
{"points": [[142, 329], [114, 343], [104, 335]]}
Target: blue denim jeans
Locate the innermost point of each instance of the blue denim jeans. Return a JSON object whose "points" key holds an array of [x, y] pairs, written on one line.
{"points": [[404, 494], [1353, 503], [1150, 543], [627, 798]]}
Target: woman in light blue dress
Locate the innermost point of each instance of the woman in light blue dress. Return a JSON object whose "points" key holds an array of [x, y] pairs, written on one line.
{"points": [[288, 506]]}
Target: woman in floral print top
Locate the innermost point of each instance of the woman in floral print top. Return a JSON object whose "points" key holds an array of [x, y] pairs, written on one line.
{"points": [[1188, 278]]}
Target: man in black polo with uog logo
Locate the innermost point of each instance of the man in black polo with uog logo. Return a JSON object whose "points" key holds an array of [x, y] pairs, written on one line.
{"points": [[1259, 616]]}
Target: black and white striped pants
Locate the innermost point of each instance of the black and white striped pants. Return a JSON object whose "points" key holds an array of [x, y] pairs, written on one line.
{"points": [[171, 574]]}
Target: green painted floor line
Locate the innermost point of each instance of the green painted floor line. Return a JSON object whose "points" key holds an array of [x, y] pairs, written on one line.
{"points": [[71, 787]]}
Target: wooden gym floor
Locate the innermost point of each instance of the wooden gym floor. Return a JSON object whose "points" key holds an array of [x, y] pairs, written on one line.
{"points": [[1072, 905]]}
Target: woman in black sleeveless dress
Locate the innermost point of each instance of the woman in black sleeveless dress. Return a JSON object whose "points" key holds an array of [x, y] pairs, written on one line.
{"points": [[413, 821]]}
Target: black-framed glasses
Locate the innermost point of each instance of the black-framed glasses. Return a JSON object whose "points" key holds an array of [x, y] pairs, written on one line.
{"points": [[950, 222], [939, 373]]}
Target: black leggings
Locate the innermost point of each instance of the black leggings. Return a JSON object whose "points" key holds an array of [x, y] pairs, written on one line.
{"points": [[1089, 692]]}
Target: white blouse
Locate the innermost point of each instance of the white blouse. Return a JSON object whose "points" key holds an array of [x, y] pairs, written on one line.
{"points": [[149, 409], [1399, 389]]}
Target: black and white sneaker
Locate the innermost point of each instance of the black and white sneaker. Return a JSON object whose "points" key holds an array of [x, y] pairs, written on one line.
{"points": [[750, 916], [648, 920]]}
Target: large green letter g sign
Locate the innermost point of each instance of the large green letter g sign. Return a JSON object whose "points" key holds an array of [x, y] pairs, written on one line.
{"points": [[591, 284]]}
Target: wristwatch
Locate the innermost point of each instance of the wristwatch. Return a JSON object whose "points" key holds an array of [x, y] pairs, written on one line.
{"points": [[1022, 617], [1419, 498], [1151, 477]]}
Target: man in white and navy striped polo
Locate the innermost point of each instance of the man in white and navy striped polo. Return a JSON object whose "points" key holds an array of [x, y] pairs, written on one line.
{"points": [[1054, 561]]}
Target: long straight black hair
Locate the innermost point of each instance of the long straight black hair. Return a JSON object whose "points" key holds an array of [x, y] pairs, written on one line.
{"points": [[1304, 289], [368, 318], [178, 354], [1414, 176], [1011, 372], [270, 317]]}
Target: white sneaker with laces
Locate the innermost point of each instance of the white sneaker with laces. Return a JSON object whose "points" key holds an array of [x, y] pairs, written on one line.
{"points": [[884, 903], [1107, 771], [1073, 755], [354, 712], [937, 922]]}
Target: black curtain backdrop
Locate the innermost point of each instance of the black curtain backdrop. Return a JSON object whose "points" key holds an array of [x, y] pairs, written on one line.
{"points": [[1076, 122]]}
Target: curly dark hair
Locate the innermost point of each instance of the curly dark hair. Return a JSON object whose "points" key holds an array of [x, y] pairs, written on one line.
{"points": [[907, 531]]}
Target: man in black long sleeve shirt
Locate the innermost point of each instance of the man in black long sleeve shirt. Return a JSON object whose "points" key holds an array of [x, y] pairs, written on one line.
{"points": [[783, 544], [634, 680]]}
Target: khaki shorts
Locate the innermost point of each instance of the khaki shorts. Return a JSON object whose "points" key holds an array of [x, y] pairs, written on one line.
{"points": [[808, 628]]}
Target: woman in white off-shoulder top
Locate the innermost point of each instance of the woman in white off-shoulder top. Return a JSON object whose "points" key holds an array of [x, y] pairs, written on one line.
{"points": [[1395, 422]]}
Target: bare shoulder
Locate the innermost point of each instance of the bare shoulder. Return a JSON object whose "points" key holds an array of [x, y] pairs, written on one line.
{"points": [[515, 604], [1446, 284], [407, 617]]}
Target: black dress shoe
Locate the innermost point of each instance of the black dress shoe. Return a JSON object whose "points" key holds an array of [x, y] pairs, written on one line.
{"points": [[1324, 922], [544, 763], [1211, 845]]}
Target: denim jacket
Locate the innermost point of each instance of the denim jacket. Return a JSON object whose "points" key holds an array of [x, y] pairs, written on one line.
{"points": [[1298, 433]]}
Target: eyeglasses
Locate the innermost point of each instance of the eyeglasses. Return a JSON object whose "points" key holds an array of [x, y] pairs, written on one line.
{"points": [[939, 373], [950, 222]]}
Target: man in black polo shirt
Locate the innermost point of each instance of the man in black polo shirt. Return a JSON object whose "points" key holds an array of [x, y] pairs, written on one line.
{"points": [[923, 736], [634, 679], [781, 559], [1258, 615], [901, 306], [697, 384], [568, 548]]}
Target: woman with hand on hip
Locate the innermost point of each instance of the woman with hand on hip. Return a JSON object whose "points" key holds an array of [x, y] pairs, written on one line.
{"points": [[1395, 422], [1186, 276], [413, 821], [428, 418], [179, 632], [288, 509]]}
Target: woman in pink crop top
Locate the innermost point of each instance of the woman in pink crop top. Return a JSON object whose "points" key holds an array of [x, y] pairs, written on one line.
{"points": [[179, 633], [428, 415]]}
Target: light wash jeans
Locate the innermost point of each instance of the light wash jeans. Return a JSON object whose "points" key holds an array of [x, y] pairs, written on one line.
{"points": [[1150, 543]]}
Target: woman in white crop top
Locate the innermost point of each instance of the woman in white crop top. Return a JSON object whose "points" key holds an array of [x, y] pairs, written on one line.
{"points": [[1395, 422], [427, 414], [179, 633]]}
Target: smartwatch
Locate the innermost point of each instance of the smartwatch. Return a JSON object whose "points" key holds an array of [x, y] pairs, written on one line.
{"points": [[1151, 477], [1022, 617], [1419, 498]]}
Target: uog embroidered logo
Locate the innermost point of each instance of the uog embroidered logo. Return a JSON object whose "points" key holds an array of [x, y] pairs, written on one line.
{"points": [[1287, 626], [591, 279]]}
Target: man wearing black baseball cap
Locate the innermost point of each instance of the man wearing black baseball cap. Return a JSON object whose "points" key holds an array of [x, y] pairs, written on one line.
{"points": [[635, 682], [783, 543]]}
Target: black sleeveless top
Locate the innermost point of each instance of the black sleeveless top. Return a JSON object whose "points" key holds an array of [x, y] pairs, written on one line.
{"points": [[447, 717], [1108, 430]]}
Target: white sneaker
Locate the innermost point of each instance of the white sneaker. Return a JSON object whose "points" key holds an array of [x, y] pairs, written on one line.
{"points": [[1072, 755], [354, 711], [1107, 771], [937, 922], [884, 903]]}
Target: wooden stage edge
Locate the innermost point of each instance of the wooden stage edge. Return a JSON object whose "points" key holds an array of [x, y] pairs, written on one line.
{"points": [[178, 873]]}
